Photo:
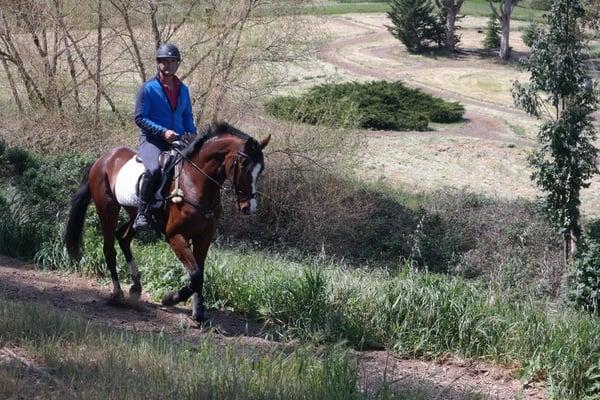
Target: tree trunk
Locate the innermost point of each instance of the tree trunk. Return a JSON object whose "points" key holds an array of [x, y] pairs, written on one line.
{"points": [[451, 28], [13, 87], [504, 45], [98, 67]]}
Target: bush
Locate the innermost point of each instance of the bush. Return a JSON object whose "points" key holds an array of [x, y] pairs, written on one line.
{"points": [[492, 38], [373, 105], [415, 25], [40, 190], [531, 33], [584, 280], [20, 159]]}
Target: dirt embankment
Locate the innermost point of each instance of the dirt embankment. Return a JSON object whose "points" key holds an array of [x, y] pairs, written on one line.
{"points": [[79, 296]]}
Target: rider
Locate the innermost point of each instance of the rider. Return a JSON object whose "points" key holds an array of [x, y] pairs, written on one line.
{"points": [[163, 111]]}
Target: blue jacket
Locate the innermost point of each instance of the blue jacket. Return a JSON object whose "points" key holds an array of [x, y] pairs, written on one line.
{"points": [[153, 113]]}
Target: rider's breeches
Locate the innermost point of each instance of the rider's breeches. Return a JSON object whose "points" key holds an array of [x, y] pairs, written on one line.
{"points": [[149, 153]]}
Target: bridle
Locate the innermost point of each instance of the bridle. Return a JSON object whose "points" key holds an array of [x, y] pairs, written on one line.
{"points": [[234, 180], [241, 196]]}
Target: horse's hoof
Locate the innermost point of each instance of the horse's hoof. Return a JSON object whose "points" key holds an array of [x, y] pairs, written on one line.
{"points": [[135, 292], [116, 299], [198, 317], [170, 299]]}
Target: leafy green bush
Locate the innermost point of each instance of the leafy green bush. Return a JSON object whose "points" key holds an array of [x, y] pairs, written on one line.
{"points": [[40, 190], [531, 33], [492, 39], [20, 159], [372, 105], [584, 280], [415, 24]]}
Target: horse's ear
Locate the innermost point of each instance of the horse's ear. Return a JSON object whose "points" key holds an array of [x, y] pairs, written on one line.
{"points": [[265, 142]]}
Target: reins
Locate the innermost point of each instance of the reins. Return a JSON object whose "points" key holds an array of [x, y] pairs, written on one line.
{"points": [[220, 185]]}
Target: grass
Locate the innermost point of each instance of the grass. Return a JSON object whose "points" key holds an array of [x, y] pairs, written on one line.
{"points": [[477, 8], [104, 363], [415, 314]]}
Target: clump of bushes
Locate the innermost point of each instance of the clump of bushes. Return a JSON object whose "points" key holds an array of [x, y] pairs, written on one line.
{"points": [[373, 105], [35, 196], [584, 281]]}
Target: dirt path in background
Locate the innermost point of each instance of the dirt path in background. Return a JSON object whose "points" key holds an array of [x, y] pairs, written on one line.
{"points": [[366, 50], [84, 297]]}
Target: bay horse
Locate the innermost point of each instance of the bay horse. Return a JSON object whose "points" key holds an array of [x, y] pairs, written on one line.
{"points": [[221, 152]]}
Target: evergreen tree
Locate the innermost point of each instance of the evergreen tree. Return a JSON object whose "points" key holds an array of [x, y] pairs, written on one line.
{"points": [[559, 84], [492, 34], [449, 10], [415, 25]]}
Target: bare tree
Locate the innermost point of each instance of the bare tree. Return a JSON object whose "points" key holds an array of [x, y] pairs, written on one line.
{"points": [[504, 15], [98, 78]]}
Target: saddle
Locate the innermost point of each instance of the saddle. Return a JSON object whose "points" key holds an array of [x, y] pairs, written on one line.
{"points": [[128, 182]]}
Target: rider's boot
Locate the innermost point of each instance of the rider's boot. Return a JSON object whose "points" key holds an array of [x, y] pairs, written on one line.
{"points": [[142, 220]]}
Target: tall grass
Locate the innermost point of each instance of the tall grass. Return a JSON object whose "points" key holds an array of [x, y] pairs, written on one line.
{"points": [[103, 363], [415, 314]]}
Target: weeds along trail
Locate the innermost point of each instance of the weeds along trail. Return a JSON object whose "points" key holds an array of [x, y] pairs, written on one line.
{"points": [[83, 298]]}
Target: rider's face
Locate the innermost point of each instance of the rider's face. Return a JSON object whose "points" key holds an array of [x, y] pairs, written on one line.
{"points": [[168, 66]]}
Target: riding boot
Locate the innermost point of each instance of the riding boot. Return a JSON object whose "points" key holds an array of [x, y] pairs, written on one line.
{"points": [[143, 218]]}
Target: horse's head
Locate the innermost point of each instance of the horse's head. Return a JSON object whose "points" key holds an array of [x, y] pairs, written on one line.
{"points": [[244, 166]]}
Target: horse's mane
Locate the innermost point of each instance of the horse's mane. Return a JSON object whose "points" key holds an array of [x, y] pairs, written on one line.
{"points": [[214, 130]]}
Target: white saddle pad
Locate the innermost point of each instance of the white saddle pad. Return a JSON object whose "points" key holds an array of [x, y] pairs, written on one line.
{"points": [[127, 180]]}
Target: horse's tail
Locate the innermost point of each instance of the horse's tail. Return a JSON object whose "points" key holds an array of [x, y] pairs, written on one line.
{"points": [[79, 205]]}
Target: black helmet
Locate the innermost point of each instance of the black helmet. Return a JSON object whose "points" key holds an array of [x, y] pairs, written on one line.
{"points": [[168, 50]]}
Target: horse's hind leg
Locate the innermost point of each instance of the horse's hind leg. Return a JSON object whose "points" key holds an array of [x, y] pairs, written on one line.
{"points": [[109, 214], [125, 235]]}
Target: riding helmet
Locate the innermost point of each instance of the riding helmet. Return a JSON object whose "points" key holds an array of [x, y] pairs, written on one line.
{"points": [[168, 50]]}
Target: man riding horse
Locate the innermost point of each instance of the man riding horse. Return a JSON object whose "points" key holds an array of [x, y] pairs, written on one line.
{"points": [[163, 111]]}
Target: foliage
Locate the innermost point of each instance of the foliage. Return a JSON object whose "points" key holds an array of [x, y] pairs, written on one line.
{"points": [[584, 280], [415, 314], [36, 198], [130, 365], [566, 159], [492, 34], [415, 24], [531, 33], [372, 105]]}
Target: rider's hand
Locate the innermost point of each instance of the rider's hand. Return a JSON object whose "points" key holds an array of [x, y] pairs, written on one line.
{"points": [[170, 135]]}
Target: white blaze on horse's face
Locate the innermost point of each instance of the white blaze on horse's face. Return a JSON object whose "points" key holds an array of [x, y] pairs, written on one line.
{"points": [[255, 171]]}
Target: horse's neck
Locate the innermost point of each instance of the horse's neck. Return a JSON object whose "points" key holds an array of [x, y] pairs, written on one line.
{"points": [[210, 159]]}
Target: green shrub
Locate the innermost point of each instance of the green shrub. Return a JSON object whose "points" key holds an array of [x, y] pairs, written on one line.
{"points": [[20, 159], [40, 193], [531, 33], [492, 38], [372, 105], [415, 24], [584, 280]]}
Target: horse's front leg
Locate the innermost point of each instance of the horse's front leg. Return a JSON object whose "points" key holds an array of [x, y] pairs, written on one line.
{"points": [[182, 250], [200, 250]]}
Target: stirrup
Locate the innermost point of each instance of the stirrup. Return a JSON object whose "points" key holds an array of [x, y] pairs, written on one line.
{"points": [[142, 222]]}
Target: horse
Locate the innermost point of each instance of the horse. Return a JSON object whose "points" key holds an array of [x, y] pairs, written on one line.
{"points": [[221, 152]]}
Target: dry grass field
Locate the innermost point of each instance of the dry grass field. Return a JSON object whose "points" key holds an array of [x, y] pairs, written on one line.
{"points": [[486, 154]]}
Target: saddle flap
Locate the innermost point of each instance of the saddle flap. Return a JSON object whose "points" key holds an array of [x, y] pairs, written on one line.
{"points": [[126, 185]]}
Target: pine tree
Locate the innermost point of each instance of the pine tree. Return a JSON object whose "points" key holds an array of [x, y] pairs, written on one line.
{"points": [[560, 85], [415, 25], [492, 34]]}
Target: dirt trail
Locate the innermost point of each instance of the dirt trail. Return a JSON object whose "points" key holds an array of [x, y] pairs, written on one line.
{"points": [[368, 51], [84, 297]]}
